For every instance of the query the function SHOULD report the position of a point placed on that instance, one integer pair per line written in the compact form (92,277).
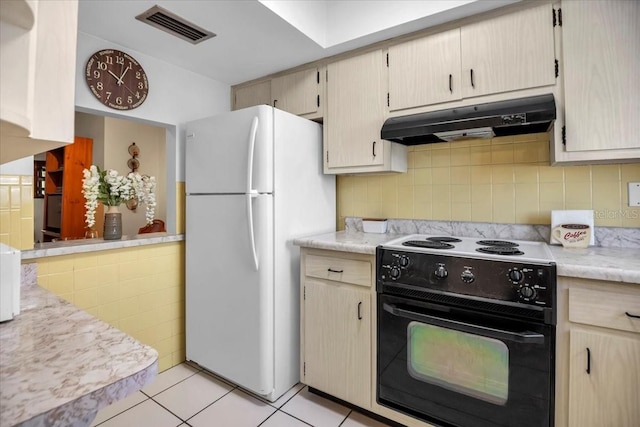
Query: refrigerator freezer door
(226,152)
(229,302)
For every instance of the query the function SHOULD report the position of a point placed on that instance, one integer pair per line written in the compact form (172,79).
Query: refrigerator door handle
(252,145)
(252,239)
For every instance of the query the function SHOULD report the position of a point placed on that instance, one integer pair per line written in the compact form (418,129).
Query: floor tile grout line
(293,416)
(171,386)
(122,412)
(210,404)
(345,418)
(168,410)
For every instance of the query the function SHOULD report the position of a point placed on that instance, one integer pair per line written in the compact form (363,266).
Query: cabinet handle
(373,147)
(635,316)
(359,313)
(274,103)
(588,361)
(331,270)
(450,83)
(473,83)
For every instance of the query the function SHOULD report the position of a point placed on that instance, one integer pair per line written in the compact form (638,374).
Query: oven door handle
(526,337)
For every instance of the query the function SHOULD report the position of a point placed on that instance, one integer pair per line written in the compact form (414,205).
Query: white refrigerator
(254,183)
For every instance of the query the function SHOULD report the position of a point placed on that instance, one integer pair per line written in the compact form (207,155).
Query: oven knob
(404,261)
(395,272)
(441,272)
(527,293)
(467,276)
(516,276)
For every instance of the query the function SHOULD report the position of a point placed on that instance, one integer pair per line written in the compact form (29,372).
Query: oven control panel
(509,281)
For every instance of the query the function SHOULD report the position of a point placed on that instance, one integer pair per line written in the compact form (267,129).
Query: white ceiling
(258,38)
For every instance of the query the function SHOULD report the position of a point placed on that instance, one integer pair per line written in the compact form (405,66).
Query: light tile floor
(186,396)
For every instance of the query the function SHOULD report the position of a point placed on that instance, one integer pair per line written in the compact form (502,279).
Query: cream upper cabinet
(509,52)
(37,76)
(601,59)
(298,93)
(355,112)
(425,71)
(336,324)
(254,94)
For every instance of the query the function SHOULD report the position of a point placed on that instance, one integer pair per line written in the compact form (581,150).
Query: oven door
(452,367)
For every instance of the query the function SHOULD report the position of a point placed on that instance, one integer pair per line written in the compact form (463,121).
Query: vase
(112,224)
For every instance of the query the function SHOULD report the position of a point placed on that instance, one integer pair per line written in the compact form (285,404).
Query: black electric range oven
(466,331)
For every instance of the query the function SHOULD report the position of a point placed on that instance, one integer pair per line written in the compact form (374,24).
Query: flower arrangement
(111,189)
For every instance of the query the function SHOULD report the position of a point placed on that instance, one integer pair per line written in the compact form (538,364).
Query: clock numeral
(138,75)
(108,95)
(120,60)
(99,86)
(129,99)
(96,74)
(108,59)
(119,100)
(140,85)
(102,65)
(137,95)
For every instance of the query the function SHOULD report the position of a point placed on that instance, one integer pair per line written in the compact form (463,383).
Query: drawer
(605,309)
(339,270)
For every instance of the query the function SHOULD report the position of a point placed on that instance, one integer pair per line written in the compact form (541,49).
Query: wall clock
(116,79)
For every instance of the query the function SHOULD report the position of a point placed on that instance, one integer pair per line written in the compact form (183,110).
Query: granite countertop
(59,365)
(68,247)
(598,263)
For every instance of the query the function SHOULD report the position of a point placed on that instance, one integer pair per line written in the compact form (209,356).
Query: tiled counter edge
(59,365)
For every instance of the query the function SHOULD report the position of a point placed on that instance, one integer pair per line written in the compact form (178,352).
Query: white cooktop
(526,251)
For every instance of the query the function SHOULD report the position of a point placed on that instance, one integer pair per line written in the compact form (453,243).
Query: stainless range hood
(513,117)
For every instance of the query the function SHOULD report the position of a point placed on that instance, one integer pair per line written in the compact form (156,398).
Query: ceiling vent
(173,24)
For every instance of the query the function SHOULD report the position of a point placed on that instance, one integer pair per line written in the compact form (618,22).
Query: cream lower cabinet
(599,349)
(601,85)
(355,112)
(336,324)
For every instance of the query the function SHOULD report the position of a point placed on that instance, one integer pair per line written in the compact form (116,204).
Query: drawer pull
(635,316)
(588,361)
(331,270)
(359,313)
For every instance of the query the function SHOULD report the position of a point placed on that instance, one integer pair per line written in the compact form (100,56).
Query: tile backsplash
(16,211)
(498,180)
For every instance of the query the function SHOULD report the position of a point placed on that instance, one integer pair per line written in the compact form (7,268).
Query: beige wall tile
(460,175)
(460,156)
(441,176)
(502,174)
(577,173)
(605,173)
(440,157)
(526,174)
(551,174)
(577,192)
(502,154)
(481,174)
(480,155)
(422,159)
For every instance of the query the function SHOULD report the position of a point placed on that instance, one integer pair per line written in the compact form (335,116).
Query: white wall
(176,96)
(119,135)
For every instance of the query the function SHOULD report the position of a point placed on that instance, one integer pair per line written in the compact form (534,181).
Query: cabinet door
(425,71)
(509,52)
(355,111)
(601,41)
(255,94)
(606,395)
(337,341)
(298,93)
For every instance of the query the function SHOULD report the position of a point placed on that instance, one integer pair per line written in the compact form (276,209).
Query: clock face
(116,79)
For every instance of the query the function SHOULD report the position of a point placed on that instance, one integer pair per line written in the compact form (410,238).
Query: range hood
(513,117)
